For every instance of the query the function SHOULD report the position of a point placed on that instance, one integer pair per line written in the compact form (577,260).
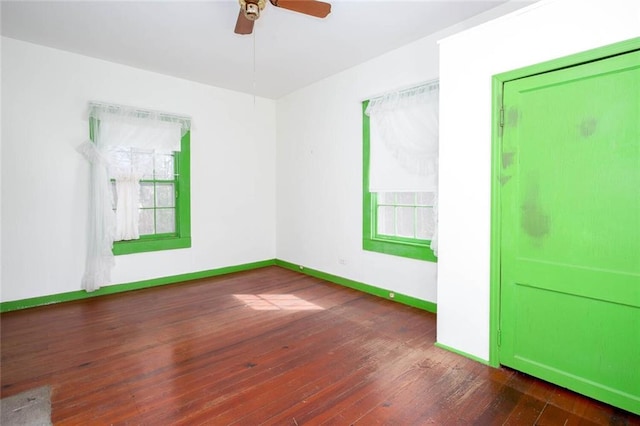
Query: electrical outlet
(301,267)
(392,295)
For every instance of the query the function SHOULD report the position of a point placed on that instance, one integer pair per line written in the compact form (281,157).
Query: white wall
(0,167)
(541,32)
(44,180)
(319,169)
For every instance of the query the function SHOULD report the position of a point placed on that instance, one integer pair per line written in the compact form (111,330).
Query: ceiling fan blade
(243,25)
(319,9)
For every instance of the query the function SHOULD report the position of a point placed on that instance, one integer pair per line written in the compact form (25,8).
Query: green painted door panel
(570,230)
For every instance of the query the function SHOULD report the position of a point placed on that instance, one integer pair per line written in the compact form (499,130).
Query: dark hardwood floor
(268,346)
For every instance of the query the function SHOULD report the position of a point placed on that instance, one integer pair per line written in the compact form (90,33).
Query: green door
(570,229)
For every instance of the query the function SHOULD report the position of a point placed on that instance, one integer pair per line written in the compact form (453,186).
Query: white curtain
(118,131)
(404,143)
(128,200)
(101,231)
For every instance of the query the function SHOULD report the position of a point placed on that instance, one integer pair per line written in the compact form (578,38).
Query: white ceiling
(195,39)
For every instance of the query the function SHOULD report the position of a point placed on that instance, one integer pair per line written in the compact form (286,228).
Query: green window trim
(182,237)
(371,241)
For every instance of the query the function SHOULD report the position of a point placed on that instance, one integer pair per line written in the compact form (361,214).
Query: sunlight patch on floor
(276,302)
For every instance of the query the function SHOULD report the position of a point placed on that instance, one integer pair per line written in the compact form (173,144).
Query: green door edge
(498,82)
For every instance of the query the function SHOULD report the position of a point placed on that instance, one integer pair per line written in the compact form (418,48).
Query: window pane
(405,222)
(406,198)
(145,226)
(425,223)
(143,163)
(165,195)
(425,198)
(386,197)
(396,197)
(164,167)
(166,221)
(386,221)
(146,194)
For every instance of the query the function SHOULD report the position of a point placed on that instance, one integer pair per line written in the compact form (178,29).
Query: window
(399,218)
(163,199)
(139,164)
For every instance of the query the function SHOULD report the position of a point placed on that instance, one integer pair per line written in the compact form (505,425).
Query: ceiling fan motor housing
(252,8)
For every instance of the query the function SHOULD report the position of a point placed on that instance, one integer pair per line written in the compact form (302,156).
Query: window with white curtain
(140,198)
(400,147)
(155,197)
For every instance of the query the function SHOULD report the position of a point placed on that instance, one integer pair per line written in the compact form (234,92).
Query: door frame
(498,82)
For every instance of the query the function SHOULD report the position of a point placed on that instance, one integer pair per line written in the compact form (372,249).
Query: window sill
(400,248)
(146,245)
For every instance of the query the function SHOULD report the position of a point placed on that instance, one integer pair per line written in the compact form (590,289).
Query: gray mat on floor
(32,407)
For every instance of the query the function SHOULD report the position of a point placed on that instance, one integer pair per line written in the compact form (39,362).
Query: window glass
(165,221)
(146,194)
(147,222)
(386,220)
(165,194)
(164,168)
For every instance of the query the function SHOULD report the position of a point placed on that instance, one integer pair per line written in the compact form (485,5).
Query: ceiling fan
(250,11)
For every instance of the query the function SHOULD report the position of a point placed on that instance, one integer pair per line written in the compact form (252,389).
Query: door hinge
(499,337)
(501,116)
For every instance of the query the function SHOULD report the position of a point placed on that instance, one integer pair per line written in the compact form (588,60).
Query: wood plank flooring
(271,347)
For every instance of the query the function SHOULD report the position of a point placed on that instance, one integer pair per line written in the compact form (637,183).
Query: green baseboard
(119,288)
(461,353)
(173,279)
(365,288)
